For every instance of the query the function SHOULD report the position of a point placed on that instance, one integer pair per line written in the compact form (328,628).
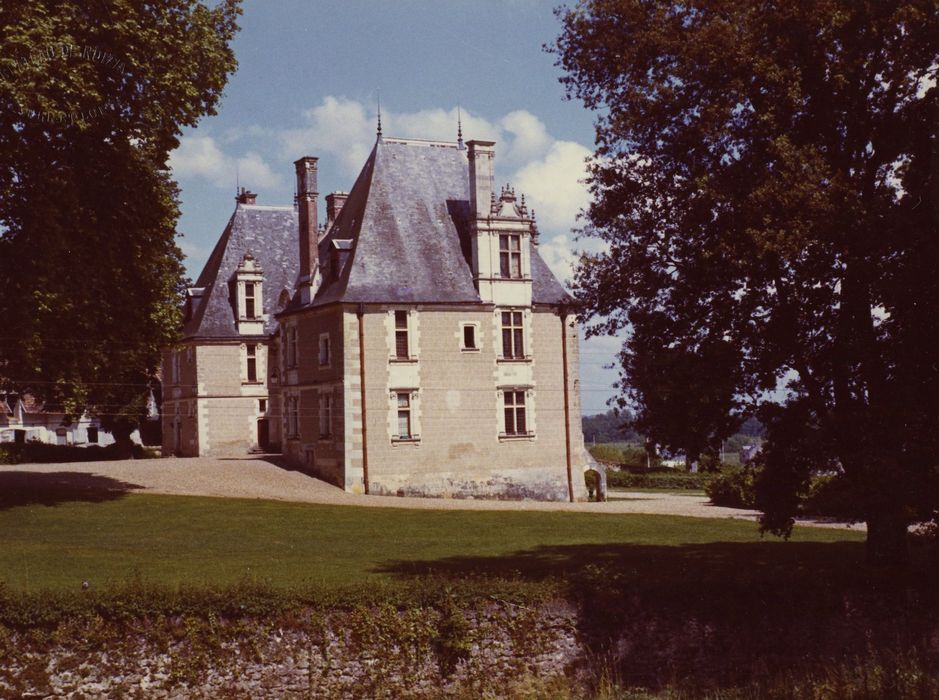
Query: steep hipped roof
(271,235)
(407,217)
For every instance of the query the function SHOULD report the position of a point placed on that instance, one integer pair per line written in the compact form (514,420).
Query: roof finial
(459,127)
(379,117)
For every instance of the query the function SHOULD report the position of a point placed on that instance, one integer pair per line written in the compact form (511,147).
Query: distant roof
(407,221)
(271,235)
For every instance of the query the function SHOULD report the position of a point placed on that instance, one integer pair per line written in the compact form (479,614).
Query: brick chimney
(334,205)
(480,157)
(306,203)
(246,197)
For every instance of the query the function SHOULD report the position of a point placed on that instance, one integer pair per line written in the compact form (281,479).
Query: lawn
(206,541)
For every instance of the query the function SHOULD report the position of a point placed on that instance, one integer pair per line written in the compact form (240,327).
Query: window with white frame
(325,415)
(324,350)
(510,256)
(402,340)
(251,358)
(513,335)
(516,420)
(405,431)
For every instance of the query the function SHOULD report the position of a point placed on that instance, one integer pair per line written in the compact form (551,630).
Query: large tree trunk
(122,442)
(887,540)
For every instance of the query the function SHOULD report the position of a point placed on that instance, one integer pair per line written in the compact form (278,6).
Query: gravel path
(261,478)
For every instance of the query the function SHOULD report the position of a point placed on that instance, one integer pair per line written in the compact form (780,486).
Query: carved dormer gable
(247,296)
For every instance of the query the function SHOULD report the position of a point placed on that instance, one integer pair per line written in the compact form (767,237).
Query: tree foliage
(612,426)
(93,96)
(767,177)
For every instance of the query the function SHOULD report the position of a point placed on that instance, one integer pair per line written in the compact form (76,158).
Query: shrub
(830,496)
(658,479)
(733,489)
(40,452)
(606,453)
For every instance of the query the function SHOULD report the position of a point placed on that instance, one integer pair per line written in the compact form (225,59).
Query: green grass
(205,541)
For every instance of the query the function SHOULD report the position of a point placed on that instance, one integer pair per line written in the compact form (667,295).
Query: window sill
(325,438)
(254,383)
(416,440)
(510,437)
(515,360)
(403,360)
(470,349)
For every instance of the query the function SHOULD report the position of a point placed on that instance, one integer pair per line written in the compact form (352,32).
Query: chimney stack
(306,202)
(480,157)
(334,205)
(246,197)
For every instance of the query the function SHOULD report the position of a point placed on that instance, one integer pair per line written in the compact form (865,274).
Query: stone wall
(372,652)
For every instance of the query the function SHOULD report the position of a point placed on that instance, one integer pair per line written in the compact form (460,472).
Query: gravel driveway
(248,477)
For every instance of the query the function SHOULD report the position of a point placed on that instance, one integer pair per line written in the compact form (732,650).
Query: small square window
(469,337)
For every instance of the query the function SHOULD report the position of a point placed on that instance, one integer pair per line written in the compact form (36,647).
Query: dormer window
(510,256)
(246,285)
(250,311)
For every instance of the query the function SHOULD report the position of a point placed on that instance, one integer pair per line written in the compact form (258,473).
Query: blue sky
(308,82)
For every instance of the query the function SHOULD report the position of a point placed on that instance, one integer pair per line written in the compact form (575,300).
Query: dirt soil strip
(269,479)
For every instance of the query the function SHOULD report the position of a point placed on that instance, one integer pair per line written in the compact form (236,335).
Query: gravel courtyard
(263,478)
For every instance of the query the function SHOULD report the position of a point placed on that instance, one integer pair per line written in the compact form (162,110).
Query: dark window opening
(93,435)
(513,344)
(515,413)
(469,337)
(402,351)
(252,363)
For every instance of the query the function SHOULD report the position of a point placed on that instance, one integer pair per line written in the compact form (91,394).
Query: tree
(767,175)
(93,97)
(683,392)
(612,426)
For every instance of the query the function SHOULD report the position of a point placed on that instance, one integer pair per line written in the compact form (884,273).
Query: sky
(309,81)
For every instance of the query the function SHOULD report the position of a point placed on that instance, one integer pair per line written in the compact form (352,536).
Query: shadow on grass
(718,612)
(23,488)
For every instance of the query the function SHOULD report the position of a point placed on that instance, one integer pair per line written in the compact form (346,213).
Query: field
(204,541)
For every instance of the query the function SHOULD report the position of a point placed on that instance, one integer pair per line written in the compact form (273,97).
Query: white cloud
(529,137)
(559,255)
(201,157)
(339,127)
(554,184)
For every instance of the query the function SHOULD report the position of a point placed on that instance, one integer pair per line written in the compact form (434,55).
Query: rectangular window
(175,361)
(402,351)
(510,255)
(93,435)
(404,415)
(324,350)
(292,346)
(515,413)
(252,353)
(513,345)
(293,418)
(262,405)
(325,416)
(249,300)
(469,337)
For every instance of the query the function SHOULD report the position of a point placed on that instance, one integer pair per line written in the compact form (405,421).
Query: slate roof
(407,219)
(271,235)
